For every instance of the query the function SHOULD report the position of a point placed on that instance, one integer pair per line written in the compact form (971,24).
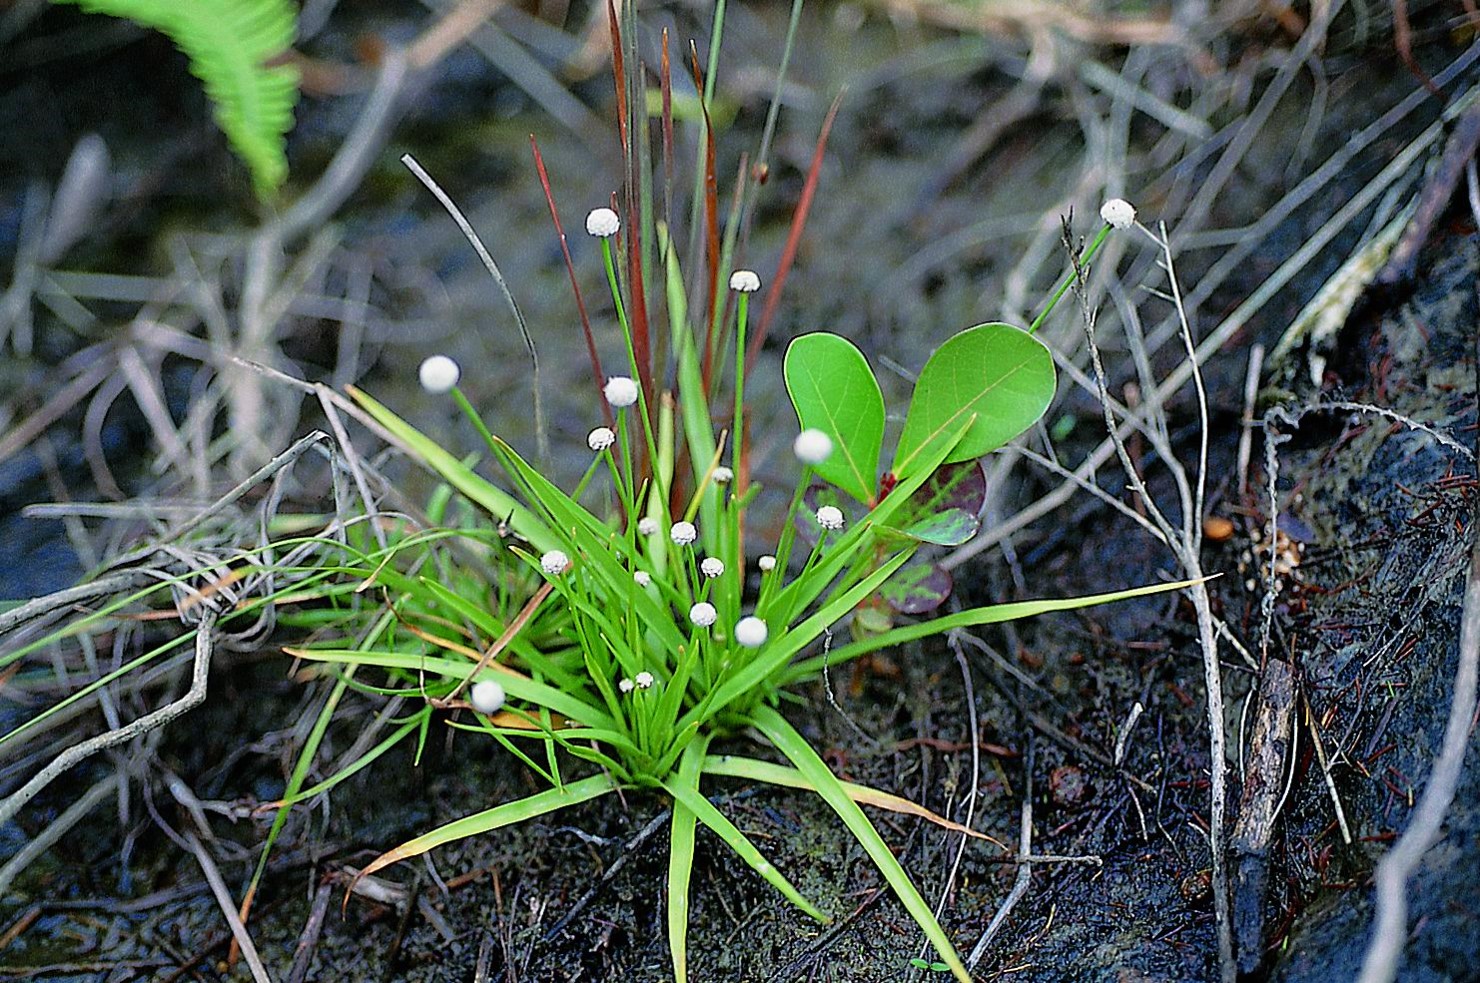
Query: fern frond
(229,43)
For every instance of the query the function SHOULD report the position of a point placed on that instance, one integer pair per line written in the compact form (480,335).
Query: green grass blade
(507,814)
(800,753)
(359,763)
(518,686)
(493,499)
(592,541)
(989,615)
(681,861)
(707,814)
(737,766)
(774,656)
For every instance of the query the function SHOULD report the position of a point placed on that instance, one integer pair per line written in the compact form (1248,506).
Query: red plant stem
(716,338)
(794,237)
(619,73)
(575,286)
(666,87)
(637,299)
(711,199)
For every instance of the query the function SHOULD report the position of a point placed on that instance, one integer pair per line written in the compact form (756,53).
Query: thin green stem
(637,375)
(1063,287)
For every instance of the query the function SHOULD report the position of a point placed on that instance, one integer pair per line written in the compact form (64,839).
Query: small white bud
(1118,213)
(554,563)
(830,517)
(642,577)
(646,526)
(600,439)
(438,374)
(703,614)
(644,680)
(683,533)
(812,446)
(602,223)
(620,391)
(712,567)
(486,696)
(767,563)
(744,281)
(625,685)
(751,632)
(723,475)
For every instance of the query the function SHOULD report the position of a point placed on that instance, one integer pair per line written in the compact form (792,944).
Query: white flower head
(723,475)
(751,632)
(683,533)
(644,680)
(602,223)
(642,577)
(830,517)
(647,525)
(744,282)
(712,567)
(703,614)
(438,374)
(554,563)
(767,563)
(486,696)
(812,446)
(625,685)
(620,391)
(600,439)
(1118,213)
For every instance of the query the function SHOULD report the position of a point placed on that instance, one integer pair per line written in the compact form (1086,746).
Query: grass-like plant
(611,628)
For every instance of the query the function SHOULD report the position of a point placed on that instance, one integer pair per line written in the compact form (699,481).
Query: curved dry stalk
(204,645)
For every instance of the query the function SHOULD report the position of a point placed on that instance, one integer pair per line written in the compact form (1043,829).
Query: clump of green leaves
(642,640)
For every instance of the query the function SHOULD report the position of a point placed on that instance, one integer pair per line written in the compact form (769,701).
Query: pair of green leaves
(996,372)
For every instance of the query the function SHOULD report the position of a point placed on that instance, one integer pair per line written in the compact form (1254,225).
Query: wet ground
(899,262)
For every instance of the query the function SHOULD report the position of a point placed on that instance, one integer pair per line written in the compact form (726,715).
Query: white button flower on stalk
(744,282)
(600,439)
(712,567)
(723,475)
(620,391)
(625,685)
(1118,213)
(486,696)
(644,680)
(642,577)
(438,374)
(751,632)
(602,223)
(554,563)
(767,563)
(683,533)
(703,614)
(830,517)
(812,446)
(647,525)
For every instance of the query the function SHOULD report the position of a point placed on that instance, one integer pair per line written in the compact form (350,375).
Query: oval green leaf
(999,372)
(948,527)
(834,390)
(918,588)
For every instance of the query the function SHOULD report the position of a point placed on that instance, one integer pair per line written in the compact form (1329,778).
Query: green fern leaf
(229,44)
